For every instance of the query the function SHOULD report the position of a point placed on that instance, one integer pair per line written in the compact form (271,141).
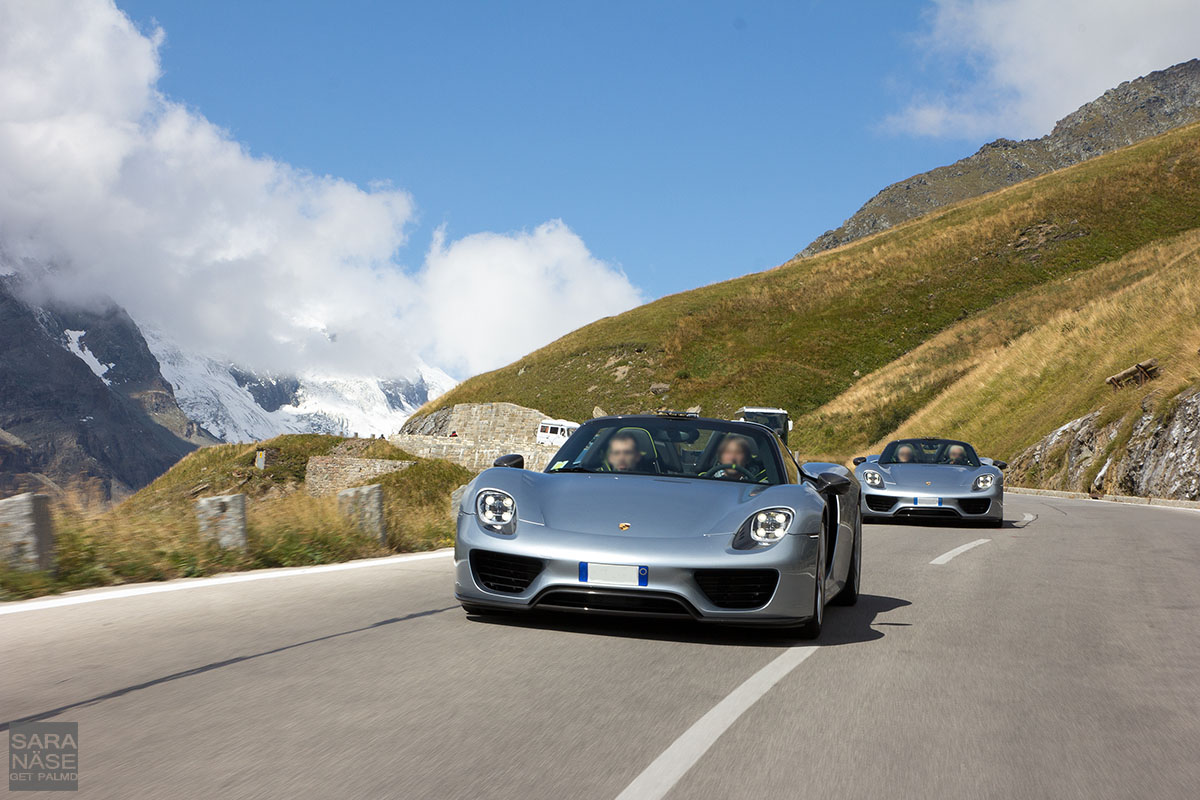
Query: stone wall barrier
(325,475)
(364,506)
(26,532)
(223,519)
(455,500)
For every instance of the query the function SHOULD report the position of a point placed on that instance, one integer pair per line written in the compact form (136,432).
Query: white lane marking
(1027,517)
(945,557)
(196,583)
(674,762)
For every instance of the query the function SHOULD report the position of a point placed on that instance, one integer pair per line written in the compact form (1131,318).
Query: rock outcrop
(1133,111)
(1155,454)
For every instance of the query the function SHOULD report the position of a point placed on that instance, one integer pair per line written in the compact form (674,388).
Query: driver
(957,455)
(904,454)
(622,455)
(733,461)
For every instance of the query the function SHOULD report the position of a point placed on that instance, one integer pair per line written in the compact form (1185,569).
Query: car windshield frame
(921,446)
(580,453)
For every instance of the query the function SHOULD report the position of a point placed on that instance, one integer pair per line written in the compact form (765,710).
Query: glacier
(222,397)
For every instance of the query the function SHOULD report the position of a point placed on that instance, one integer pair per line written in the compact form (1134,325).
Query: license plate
(613,574)
(927,501)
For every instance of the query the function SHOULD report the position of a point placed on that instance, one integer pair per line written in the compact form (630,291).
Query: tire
(848,596)
(995,523)
(811,627)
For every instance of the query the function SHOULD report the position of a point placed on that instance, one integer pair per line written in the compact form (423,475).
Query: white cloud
(1032,62)
(137,196)
(493,295)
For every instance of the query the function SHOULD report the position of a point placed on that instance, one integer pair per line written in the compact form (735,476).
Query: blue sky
(358,189)
(684,142)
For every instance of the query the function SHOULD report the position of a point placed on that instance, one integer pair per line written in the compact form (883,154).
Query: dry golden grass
(154,534)
(1014,394)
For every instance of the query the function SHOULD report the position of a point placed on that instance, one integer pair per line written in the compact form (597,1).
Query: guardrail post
(27,533)
(223,518)
(364,506)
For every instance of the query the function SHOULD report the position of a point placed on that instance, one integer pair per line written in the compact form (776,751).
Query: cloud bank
(132,194)
(1032,62)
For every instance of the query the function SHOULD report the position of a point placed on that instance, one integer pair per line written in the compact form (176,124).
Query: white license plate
(927,501)
(613,574)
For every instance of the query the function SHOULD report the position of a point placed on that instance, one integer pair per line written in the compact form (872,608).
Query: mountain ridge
(1133,111)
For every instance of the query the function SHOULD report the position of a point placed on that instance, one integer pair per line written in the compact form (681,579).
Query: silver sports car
(931,478)
(666,515)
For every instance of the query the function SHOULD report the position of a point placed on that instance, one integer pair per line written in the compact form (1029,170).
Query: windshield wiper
(573,469)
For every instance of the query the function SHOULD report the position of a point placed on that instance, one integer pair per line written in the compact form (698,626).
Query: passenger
(904,454)
(957,455)
(735,452)
(622,455)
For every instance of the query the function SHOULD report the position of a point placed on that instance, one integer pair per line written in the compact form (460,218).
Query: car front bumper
(676,582)
(987,506)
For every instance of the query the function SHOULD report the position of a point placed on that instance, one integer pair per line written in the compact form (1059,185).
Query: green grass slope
(801,335)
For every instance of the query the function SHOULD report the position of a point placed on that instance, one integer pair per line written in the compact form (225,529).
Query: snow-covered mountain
(237,405)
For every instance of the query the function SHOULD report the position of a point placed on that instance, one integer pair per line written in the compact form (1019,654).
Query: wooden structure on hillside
(1137,374)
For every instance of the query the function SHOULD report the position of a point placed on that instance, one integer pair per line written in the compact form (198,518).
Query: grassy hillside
(154,536)
(1017,392)
(801,335)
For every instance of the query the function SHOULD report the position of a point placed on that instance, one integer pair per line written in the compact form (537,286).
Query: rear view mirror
(860,460)
(832,483)
(999,464)
(514,460)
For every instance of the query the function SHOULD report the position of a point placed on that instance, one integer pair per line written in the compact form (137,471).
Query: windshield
(682,448)
(929,451)
(773,420)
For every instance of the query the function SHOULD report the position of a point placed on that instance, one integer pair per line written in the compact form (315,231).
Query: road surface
(1058,658)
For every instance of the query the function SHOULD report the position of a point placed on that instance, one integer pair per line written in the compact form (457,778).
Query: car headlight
(763,528)
(984,481)
(496,510)
(872,478)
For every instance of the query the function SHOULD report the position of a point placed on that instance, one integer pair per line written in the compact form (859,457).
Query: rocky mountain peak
(1135,110)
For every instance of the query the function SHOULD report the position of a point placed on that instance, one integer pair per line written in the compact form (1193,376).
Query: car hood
(926,477)
(653,507)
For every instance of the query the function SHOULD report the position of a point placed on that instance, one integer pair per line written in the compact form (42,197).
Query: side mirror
(833,483)
(860,460)
(514,460)
(999,464)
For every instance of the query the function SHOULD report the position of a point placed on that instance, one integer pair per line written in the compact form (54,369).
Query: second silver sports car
(932,478)
(667,515)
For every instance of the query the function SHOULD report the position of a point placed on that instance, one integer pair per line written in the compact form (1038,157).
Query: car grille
(614,601)
(879,502)
(975,505)
(502,572)
(737,588)
(944,513)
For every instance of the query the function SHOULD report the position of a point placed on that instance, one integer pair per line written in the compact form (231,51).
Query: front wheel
(848,596)
(811,627)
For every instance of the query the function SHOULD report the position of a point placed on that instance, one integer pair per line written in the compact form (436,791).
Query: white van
(555,431)
(776,419)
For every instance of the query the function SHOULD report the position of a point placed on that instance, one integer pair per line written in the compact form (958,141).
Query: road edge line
(116,593)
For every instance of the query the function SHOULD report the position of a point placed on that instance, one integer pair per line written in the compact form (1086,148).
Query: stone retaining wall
(328,474)
(479,421)
(474,455)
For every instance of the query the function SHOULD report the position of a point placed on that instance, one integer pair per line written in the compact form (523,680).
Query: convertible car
(666,515)
(931,478)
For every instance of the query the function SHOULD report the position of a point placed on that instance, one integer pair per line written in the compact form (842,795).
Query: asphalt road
(1060,658)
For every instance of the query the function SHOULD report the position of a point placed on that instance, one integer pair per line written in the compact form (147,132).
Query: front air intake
(501,572)
(737,588)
